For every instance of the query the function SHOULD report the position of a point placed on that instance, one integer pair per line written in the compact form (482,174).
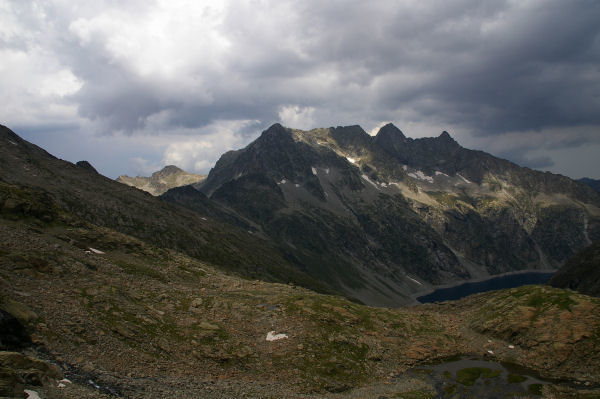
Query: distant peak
(390,130)
(171,169)
(167,171)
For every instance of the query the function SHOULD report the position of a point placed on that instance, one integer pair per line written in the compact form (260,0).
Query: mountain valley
(204,291)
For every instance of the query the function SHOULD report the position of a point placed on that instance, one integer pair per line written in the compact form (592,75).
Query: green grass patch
(469,375)
(515,378)
(542,299)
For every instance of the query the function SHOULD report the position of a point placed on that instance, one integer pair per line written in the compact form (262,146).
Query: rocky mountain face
(379,218)
(165,179)
(582,272)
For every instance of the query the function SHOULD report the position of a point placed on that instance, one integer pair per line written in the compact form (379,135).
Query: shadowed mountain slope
(35,183)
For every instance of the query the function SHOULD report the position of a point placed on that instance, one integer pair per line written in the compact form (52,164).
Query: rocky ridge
(163,180)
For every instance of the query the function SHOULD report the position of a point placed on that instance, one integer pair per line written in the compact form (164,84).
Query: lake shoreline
(475,280)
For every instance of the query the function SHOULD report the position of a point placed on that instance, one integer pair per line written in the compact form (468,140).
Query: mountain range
(380,218)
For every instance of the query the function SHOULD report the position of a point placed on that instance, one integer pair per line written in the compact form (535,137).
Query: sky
(134,85)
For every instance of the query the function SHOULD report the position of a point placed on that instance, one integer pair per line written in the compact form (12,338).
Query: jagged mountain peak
(273,138)
(276,130)
(446,138)
(351,137)
(445,135)
(390,130)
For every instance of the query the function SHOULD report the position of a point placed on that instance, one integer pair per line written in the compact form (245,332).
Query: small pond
(467,377)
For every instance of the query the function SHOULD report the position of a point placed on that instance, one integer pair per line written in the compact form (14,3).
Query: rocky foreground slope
(165,179)
(122,318)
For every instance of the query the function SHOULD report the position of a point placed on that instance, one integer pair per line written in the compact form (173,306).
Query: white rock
(271,336)
(464,179)
(32,394)
(96,251)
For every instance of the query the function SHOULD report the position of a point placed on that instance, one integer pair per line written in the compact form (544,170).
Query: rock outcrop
(581,272)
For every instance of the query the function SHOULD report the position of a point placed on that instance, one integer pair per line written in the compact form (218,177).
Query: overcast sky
(134,85)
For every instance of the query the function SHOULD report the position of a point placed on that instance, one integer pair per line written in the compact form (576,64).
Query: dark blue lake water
(495,283)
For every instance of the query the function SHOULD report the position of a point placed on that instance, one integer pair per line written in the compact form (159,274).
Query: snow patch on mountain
(421,176)
(370,181)
(462,177)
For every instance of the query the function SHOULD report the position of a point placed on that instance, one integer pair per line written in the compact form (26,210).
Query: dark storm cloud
(485,68)
(491,67)
(521,158)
